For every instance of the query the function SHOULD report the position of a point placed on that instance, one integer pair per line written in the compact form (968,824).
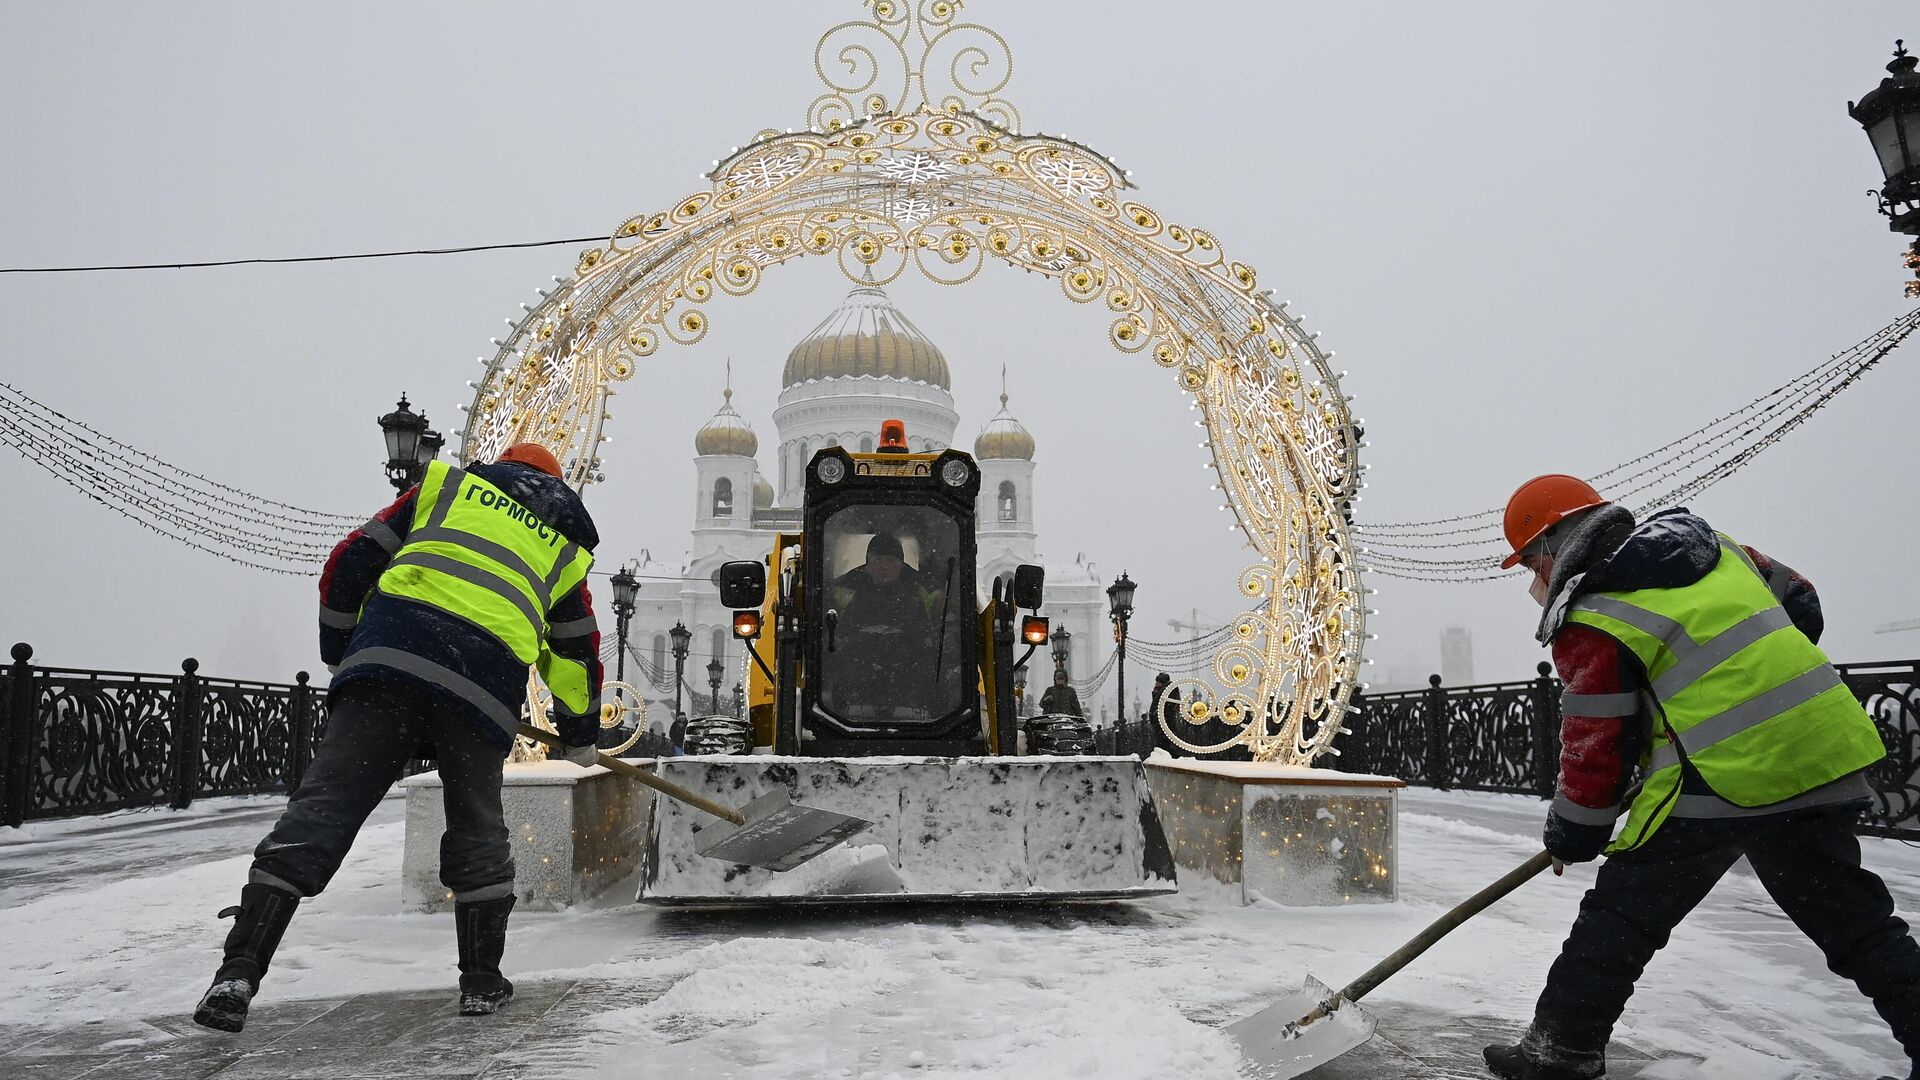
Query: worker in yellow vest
(430,615)
(1692,660)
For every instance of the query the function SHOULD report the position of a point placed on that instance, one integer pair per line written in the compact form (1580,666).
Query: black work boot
(260,919)
(1540,1056)
(482,930)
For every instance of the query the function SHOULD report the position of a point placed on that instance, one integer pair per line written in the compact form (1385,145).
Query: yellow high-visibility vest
(1737,691)
(474,552)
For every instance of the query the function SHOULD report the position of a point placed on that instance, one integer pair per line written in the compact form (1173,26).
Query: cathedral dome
(762,493)
(866,335)
(1004,437)
(727,433)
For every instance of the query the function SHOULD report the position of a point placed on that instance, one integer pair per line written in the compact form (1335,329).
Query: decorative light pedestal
(575,833)
(1298,836)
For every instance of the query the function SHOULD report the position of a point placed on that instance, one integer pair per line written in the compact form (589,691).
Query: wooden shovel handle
(1445,924)
(665,787)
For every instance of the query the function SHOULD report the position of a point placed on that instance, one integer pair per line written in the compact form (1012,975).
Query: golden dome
(762,493)
(1004,437)
(866,335)
(727,433)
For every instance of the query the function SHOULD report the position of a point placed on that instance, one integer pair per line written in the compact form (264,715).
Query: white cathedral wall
(840,412)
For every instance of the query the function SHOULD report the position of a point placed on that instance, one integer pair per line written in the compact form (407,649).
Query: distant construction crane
(1896,627)
(1193,625)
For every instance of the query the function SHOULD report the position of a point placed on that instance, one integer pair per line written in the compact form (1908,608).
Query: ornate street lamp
(411,445)
(715,669)
(626,588)
(1120,609)
(739,701)
(1890,114)
(681,638)
(1062,647)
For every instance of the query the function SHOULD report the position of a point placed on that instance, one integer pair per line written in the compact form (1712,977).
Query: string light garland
(1666,475)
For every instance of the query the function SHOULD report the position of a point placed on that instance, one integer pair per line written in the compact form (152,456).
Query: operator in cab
(885,616)
(886,596)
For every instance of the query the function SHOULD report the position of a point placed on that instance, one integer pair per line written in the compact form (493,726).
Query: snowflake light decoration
(957,187)
(914,167)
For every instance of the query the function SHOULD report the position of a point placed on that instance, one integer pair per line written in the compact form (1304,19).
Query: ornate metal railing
(86,742)
(1506,737)
(83,742)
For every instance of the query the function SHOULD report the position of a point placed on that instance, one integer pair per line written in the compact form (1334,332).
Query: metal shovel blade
(779,834)
(1275,1046)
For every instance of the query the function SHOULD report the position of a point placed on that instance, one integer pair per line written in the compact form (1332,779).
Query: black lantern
(430,443)
(405,431)
(1890,113)
(626,588)
(1062,647)
(1120,597)
(715,669)
(682,637)
(1120,609)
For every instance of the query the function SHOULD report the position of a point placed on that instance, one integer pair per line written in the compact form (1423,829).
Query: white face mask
(1538,589)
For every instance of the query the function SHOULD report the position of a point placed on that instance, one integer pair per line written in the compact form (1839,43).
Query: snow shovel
(1314,1025)
(773,832)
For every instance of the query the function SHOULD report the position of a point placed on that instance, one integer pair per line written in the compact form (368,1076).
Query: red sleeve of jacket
(1594,761)
(354,568)
(1794,592)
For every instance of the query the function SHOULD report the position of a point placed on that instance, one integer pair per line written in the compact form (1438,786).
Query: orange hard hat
(534,455)
(1539,505)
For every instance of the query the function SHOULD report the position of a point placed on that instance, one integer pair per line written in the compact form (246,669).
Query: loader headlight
(831,470)
(955,473)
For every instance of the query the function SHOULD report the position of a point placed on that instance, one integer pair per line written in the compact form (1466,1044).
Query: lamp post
(681,637)
(715,669)
(411,445)
(1890,115)
(1120,609)
(739,702)
(1062,648)
(626,588)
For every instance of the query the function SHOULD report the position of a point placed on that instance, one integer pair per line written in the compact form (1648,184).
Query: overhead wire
(286,259)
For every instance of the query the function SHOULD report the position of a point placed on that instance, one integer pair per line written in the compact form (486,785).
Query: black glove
(581,755)
(1572,842)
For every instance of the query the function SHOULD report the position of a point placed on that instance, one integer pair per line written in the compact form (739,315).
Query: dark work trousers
(373,727)
(1807,860)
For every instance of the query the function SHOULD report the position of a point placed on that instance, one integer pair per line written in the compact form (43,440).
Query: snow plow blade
(944,829)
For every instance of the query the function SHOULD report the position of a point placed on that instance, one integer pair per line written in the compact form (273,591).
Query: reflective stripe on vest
(1737,691)
(476,553)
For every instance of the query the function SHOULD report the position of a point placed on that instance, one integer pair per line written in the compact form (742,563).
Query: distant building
(1456,656)
(863,364)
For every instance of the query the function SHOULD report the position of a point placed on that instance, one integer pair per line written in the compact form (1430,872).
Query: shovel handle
(1444,925)
(665,787)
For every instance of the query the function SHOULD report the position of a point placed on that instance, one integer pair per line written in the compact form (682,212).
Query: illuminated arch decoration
(912,160)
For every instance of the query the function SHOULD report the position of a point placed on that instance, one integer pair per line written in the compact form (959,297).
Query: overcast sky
(1542,237)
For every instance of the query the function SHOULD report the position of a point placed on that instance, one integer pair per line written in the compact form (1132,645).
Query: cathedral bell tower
(725,478)
(1004,515)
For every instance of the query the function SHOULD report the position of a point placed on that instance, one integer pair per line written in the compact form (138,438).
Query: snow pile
(1134,991)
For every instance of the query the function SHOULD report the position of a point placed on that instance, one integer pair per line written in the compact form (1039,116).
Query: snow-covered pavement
(113,918)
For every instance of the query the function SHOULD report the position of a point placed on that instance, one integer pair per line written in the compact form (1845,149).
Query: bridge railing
(1506,737)
(87,742)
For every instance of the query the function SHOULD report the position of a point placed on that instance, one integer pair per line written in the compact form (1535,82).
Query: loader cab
(889,626)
